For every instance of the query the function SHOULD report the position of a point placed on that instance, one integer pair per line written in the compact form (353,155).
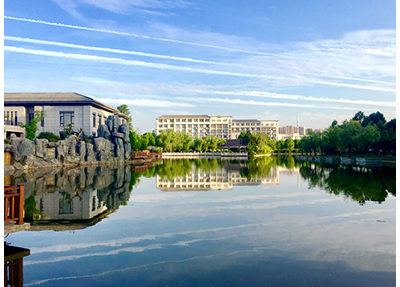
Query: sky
(317,61)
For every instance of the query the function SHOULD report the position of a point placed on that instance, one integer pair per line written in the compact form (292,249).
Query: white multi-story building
(269,127)
(197,125)
(62,109)
(220,126)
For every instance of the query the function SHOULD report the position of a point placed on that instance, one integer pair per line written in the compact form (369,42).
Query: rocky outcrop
(111,146)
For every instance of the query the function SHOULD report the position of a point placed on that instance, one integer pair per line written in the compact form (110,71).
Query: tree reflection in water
(58,194)
(360,184)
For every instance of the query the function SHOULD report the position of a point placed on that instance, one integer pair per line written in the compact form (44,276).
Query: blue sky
(318,60)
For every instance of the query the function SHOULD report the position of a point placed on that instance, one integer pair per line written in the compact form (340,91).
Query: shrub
(7,141)
(49,136)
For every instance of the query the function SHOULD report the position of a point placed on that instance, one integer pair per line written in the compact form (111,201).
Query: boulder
(26,148)
(124,129)
(103,132)
(119,150)
(81,150)
(90,155)
(102,144)
(110,123)
(14,140)
(70,145)
(40,144)
(113,122)
(128,151)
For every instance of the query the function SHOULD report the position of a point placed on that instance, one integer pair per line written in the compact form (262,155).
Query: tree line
(359,135)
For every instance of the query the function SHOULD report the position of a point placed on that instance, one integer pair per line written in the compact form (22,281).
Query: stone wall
(111,146)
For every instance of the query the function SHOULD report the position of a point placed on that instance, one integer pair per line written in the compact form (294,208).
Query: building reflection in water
(222,177)
(83,196)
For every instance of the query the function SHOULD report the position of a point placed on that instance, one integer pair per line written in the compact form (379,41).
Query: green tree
(330,140)
(31,127)
(374,118)
(359,116)
(349,131)
(289,144)
(367,137)
(125,110)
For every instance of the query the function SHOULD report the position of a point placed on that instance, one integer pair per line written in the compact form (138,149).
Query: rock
(119,150)
(90,155)
(124,129)
(28,160)
(14,140)
(40,144)
(10,148)
(102,144)
(81,150)
(26,148)
(53,144)
(110,123)
(128,151)
(102,156)
(60,151)
(72,160)
(9,169)
(117,135)
(18,166)
(104,132)
(70,145)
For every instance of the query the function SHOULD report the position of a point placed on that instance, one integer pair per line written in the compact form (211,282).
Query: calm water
(265,222)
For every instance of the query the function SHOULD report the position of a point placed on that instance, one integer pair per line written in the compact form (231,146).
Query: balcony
(12,123)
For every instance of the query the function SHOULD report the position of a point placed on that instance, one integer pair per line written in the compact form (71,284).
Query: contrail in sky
(140,36)
(110,50)
(169,67)
(181,58)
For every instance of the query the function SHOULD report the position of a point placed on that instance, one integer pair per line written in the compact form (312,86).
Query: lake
(268,221)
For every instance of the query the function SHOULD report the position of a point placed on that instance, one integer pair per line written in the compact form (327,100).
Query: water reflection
(357,183)
(213,174)
(82,195)
(88,194)
(250,236)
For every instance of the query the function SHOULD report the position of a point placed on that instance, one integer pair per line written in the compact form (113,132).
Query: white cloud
(144,102)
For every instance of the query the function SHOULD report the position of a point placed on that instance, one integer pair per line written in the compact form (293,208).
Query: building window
(178,120)
(66,206)
(93,203)
(98,120)
(30,117)
(66,118)
(94,119)
(183,120)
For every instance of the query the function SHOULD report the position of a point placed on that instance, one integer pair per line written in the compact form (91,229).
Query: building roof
(182,116)
(190,116)
(239,120)
(22,99)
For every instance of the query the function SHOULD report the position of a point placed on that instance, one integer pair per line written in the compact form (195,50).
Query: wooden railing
(13,265)
(14,203)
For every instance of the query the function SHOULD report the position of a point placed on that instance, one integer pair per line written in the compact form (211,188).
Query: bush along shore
(111,146)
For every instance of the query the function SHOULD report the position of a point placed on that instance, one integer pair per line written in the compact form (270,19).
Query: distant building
(61,110)
(269,127)
(294,136)
(288,130)
(220,126)
(302,131)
